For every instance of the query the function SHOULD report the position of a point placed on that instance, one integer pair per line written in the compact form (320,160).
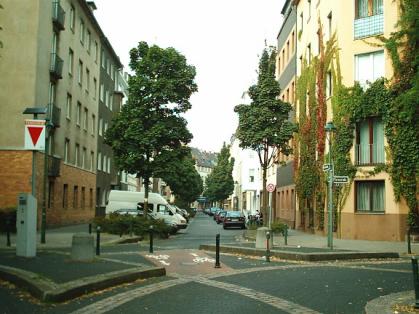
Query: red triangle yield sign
(35,132)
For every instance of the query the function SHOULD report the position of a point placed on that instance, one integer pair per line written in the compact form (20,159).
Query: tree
(149,126)
(219,183)
(177,169)
(264,125)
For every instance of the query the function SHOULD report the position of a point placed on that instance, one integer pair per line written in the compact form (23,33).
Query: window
(83,197)
(109,164)
(68,107)
(99,161)
(78,113)
(94,88)
(72,18)
(93,124)
(92,160)
(309,10)
(65,196)
(301,22)
(105,127)
(370,196)
(83,158)
(85,119)
(77,155)
(107,98)
(328,84)
(89,41)
(100,126)
(308,53)
(110,102)
(66,150)
(279,65)
(102,58)
(75,196)
(112,72)
(318,42)
(96,51)
(365,8)
(329,28)
(283,59)
(369,67)
(104,167)
(81,31)
(288,95)
(370,142)
(70,61)
(87,80)
(101,92)
(251,175)
(292,42)
(108,66)
(80,79)
(288,50)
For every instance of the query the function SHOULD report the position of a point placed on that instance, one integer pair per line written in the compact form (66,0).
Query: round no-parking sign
(270,187)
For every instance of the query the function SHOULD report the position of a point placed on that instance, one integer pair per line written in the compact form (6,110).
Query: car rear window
(233,214)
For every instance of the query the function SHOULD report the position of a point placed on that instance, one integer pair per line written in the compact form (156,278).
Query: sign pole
(330,211)
(270,210)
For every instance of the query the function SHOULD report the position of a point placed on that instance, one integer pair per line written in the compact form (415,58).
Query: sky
(223,39)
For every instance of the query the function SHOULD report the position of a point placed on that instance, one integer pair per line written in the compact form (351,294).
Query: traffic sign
(327,167)
(34,134)
(270,187)
(340,179)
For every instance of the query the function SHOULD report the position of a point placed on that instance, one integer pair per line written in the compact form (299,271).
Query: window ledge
(369,213)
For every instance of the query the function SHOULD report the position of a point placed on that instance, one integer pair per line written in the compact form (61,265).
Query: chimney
(92,5)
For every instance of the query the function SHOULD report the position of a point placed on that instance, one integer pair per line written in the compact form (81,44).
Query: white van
(158,207)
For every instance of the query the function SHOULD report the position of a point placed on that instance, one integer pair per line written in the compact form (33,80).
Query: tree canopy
(150,125)
(219,183)
(264,124)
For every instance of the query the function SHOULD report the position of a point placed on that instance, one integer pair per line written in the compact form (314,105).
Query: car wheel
(224,227)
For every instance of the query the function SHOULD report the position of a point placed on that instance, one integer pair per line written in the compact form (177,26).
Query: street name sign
(327,167)
(270,187)
(34,134)
(340,179)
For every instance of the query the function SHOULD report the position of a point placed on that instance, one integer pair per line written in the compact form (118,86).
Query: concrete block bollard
(261,238)
(82,247)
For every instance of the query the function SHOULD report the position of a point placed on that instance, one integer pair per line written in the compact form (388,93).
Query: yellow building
(370,210)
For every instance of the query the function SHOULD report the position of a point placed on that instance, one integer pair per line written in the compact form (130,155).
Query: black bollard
(151,239)
(90,228)
(98,240)
(286,236)
(8,232)
(217,251)
(130,228)
(409,248)
(415,280)
(268,252)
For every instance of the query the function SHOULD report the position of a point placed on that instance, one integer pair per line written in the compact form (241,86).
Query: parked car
(221,216)
(234,219)
(213,210)
(218,211)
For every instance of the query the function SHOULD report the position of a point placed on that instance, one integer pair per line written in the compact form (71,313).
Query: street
(241,285)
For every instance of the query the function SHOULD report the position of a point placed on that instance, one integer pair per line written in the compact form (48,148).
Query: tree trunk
(146,182)
(264,197)
(155,185)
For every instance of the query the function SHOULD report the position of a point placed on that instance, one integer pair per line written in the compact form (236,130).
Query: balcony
(58,16)
(369,26)
(54,163)
(56,67)
(54,115)
(369,154)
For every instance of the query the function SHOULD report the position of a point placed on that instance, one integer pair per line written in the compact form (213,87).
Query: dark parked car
(213,210)
(221,216)
(234,219)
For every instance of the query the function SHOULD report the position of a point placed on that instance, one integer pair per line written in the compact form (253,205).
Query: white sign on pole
(34,134)
(340,179)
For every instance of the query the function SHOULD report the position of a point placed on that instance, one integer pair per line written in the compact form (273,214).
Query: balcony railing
(58,16)
(369,26)
(54,163)
(54,115)
(56,67)
(369,154)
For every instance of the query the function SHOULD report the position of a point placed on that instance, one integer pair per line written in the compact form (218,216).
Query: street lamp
(330,128)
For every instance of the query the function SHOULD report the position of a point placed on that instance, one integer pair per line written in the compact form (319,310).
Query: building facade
(52,57)
(369,211)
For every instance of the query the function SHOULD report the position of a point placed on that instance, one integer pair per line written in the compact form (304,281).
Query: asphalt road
(242,285)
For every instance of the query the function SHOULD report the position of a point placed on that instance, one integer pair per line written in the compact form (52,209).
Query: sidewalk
(52,276)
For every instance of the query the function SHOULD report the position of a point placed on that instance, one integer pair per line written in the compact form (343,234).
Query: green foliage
(264,125)
(127,224)
(219,183)
(279,227)
(149,126)
(177,169)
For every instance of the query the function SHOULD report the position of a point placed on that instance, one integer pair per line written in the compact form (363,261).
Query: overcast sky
(223,39)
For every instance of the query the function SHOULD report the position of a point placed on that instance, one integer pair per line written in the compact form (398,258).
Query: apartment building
(370,211)
(285,196)
(52,58)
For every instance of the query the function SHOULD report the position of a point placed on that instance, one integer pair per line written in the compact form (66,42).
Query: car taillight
(241,218)
(229,219)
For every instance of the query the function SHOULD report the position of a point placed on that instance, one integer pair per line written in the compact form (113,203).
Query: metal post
(268,252)
(90,228)
(130,228)
(98,240)
(286,236)
(330,199)
(151,239)
(270,210)
(415,280)
(44,191)
(217,251)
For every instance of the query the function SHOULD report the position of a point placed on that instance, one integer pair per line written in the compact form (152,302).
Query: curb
(384,304)
(309,257)
(49,291)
